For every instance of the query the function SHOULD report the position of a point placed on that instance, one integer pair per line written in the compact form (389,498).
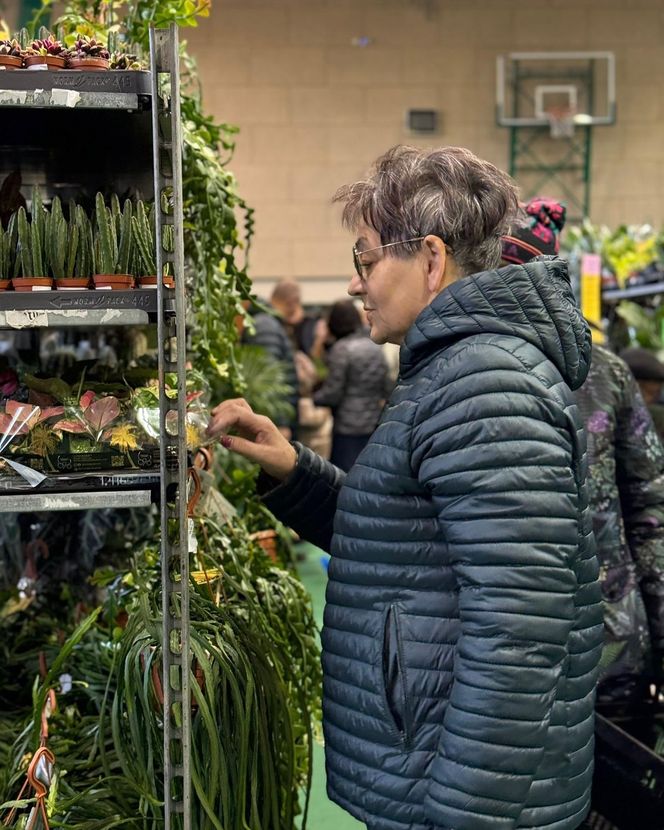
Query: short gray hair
(450,192)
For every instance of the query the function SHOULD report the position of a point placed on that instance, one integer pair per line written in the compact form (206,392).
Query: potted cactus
(84,264)
(113,244)
(88,53)
(31,248)
(62,247)
(11,54)
(144,239)
(47,52)
(8,242)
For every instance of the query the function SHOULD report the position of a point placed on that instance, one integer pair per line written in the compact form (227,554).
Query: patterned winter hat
(539,233)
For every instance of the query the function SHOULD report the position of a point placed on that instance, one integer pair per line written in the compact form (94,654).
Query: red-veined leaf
(24,416)
(100,413)
(51,412)
(87,398)
(70,426)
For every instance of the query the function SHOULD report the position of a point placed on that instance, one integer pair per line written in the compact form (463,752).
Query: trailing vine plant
(257,692)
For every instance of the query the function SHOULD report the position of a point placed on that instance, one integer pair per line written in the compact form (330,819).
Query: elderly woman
(463,626)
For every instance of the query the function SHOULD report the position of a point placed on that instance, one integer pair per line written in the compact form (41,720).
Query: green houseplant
(113,244)
(8,243)
(62,241)
(143,228)
(31,249)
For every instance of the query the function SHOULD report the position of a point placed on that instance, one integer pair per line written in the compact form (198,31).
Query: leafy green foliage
(255,680)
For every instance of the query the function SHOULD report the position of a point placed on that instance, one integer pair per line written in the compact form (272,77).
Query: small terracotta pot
(32,283)
(71,283)
(116,282)
(4,284)
(10,62)
(151,281)
(89,64)
(51,61)
(267,539)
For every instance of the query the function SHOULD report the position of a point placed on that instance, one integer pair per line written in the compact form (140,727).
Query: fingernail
(225,441)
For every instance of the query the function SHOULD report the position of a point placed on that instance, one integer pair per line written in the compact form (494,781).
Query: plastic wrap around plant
(145,402)
(62,432)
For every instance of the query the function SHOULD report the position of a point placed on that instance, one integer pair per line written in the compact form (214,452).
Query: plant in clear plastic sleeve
(34,424)
(91,415)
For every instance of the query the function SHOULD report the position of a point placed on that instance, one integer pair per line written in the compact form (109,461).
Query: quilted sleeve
(307,500)
(498,454)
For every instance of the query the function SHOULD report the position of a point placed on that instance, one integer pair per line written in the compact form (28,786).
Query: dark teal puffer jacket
(463,624)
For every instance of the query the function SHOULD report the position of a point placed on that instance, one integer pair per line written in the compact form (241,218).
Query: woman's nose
(354,286)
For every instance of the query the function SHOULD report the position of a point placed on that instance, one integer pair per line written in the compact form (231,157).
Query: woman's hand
(256,438)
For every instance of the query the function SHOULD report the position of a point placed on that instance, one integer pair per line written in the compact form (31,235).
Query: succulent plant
(113,238)
(11,48)
(88,47)
(123,60)
(84,265)
(30,248)
(46,46)
(62,239)
(143,228)
(8,241)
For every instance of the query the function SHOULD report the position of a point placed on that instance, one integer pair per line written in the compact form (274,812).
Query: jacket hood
(532,301)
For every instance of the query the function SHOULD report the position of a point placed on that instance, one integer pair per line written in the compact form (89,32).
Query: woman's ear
(437,260)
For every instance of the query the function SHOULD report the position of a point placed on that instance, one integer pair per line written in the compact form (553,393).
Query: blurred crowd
(339,377)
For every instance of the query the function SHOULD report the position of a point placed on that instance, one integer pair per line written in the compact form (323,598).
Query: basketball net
(561,122)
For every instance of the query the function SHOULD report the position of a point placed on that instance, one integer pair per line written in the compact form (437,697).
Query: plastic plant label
(192,542)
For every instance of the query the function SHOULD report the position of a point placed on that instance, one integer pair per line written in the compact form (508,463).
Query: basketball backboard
(531,86)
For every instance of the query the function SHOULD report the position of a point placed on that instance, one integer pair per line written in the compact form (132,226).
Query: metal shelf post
(167,144)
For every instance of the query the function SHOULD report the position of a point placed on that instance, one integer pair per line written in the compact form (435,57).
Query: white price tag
(192,543)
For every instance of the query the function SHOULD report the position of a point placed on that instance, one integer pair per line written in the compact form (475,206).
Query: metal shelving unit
(171,335)
(62,309)
(614,295)
(140,106)
(70,88)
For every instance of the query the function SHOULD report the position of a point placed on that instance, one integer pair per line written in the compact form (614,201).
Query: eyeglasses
(359,266)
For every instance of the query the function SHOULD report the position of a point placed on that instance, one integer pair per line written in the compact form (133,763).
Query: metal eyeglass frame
(356,254)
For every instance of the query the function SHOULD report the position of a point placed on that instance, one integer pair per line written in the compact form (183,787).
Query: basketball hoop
(561,121)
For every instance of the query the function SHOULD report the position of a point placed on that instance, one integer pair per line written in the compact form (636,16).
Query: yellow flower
(123,437)
(195,436)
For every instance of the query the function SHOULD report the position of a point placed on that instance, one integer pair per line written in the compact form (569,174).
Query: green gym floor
(323,814)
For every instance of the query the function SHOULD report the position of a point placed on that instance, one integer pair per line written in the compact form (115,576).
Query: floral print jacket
(626,485)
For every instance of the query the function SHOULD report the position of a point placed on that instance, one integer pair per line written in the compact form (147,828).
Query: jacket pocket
(393,674)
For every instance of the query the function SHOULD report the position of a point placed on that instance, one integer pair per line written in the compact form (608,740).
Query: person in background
(301,327)
(626,488)
(356,386)
(649,374)
(463,625)
(270,334)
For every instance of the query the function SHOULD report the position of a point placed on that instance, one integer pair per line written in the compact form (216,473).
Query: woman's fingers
(235,415)
(231,402)
(255,437)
